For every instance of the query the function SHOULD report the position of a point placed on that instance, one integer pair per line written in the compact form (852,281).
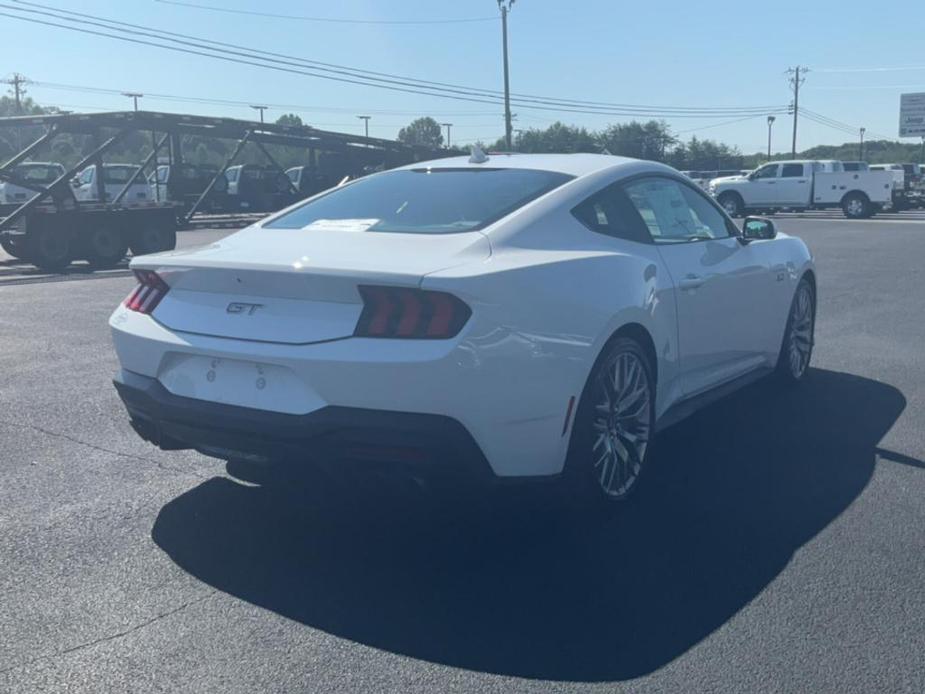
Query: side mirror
(758,229)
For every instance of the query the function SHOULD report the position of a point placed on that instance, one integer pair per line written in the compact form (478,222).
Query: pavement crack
(101,449)
(113,637)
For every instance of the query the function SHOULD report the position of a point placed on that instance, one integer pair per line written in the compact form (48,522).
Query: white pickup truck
(31,173)
(115,176)
(804,185)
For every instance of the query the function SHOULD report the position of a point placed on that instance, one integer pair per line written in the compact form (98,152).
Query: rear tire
(614,422)
(796,350)
(732,203)
(153,238)
(105,247)
(856,206)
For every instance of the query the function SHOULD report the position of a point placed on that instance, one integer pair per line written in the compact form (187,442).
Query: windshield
(118,174)
(425,201)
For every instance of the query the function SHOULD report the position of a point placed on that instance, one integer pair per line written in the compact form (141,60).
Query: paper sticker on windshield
(342,224)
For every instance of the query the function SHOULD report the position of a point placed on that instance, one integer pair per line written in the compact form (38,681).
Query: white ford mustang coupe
(482,319)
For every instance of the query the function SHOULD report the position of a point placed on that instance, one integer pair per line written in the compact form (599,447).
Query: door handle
(691,282)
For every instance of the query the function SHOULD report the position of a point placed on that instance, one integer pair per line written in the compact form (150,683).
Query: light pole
(447,126)
(259,108)
(134,96)
(365,120)
(861,146)
(771,120)
(505,7)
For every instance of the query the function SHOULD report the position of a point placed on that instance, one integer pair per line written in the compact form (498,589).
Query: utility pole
(365,120)
(134,96)
(505,6)
(261,109)
(796,79)
(861,146)
(771,120)
(447,126)
(17,82)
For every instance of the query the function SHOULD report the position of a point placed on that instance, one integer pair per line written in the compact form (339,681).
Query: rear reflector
(417,314)
(149,292)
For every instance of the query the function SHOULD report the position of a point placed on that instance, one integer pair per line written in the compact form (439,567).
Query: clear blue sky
(669,53)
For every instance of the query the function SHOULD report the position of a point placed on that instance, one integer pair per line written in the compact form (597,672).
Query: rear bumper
(423,445)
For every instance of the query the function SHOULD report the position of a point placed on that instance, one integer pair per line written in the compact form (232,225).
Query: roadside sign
(912,115)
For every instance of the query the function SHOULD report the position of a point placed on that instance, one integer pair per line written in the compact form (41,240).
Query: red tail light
(398,312)
(149,292)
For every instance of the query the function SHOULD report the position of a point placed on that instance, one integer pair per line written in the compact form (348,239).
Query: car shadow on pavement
(523,589)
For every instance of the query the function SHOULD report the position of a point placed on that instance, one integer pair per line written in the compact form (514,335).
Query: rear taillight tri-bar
(400,312)
(149,292)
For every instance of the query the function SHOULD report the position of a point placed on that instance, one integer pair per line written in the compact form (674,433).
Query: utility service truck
(804,185)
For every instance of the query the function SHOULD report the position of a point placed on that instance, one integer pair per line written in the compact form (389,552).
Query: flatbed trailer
(54,228)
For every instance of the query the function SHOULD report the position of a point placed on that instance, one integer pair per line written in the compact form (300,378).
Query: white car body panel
(545,292)
(86,190)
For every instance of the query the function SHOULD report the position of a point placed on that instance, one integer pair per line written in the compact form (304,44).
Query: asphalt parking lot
(780,544)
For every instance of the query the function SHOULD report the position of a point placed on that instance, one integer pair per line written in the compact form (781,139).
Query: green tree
(650,140)
(705,155)
(289,119)
(558,137)
(423,131)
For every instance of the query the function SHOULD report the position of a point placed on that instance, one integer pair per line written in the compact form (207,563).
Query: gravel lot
(780,545)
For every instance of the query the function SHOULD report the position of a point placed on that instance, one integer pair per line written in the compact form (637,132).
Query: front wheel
(797,347)
(12,248)
(732,203)
(613,425)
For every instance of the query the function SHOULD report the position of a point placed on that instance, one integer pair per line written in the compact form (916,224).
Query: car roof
(579,164)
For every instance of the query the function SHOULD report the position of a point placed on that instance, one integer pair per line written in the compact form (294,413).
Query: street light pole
(261,109)
(365,120)
(771,120)
(861,146)
(505,6)
(134,97)
(447,126)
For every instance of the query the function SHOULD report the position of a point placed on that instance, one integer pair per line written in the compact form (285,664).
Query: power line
(273,15)
(871,69)
(366,77)
(717,125)
(231,102)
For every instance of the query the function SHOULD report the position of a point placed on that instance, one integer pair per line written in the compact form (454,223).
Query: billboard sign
(912,115)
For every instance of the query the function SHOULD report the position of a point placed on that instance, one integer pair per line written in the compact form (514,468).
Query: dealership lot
(778,547)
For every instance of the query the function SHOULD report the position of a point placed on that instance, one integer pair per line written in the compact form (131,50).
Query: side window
(674,212)
(792,171)
(610,212)
(767,171)
(86,176)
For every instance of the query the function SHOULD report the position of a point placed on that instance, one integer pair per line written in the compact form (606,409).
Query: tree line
(654,140)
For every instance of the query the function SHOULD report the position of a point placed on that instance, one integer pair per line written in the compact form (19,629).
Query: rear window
(425,201)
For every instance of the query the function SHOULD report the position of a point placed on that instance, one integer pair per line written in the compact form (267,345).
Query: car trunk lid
(295,286)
